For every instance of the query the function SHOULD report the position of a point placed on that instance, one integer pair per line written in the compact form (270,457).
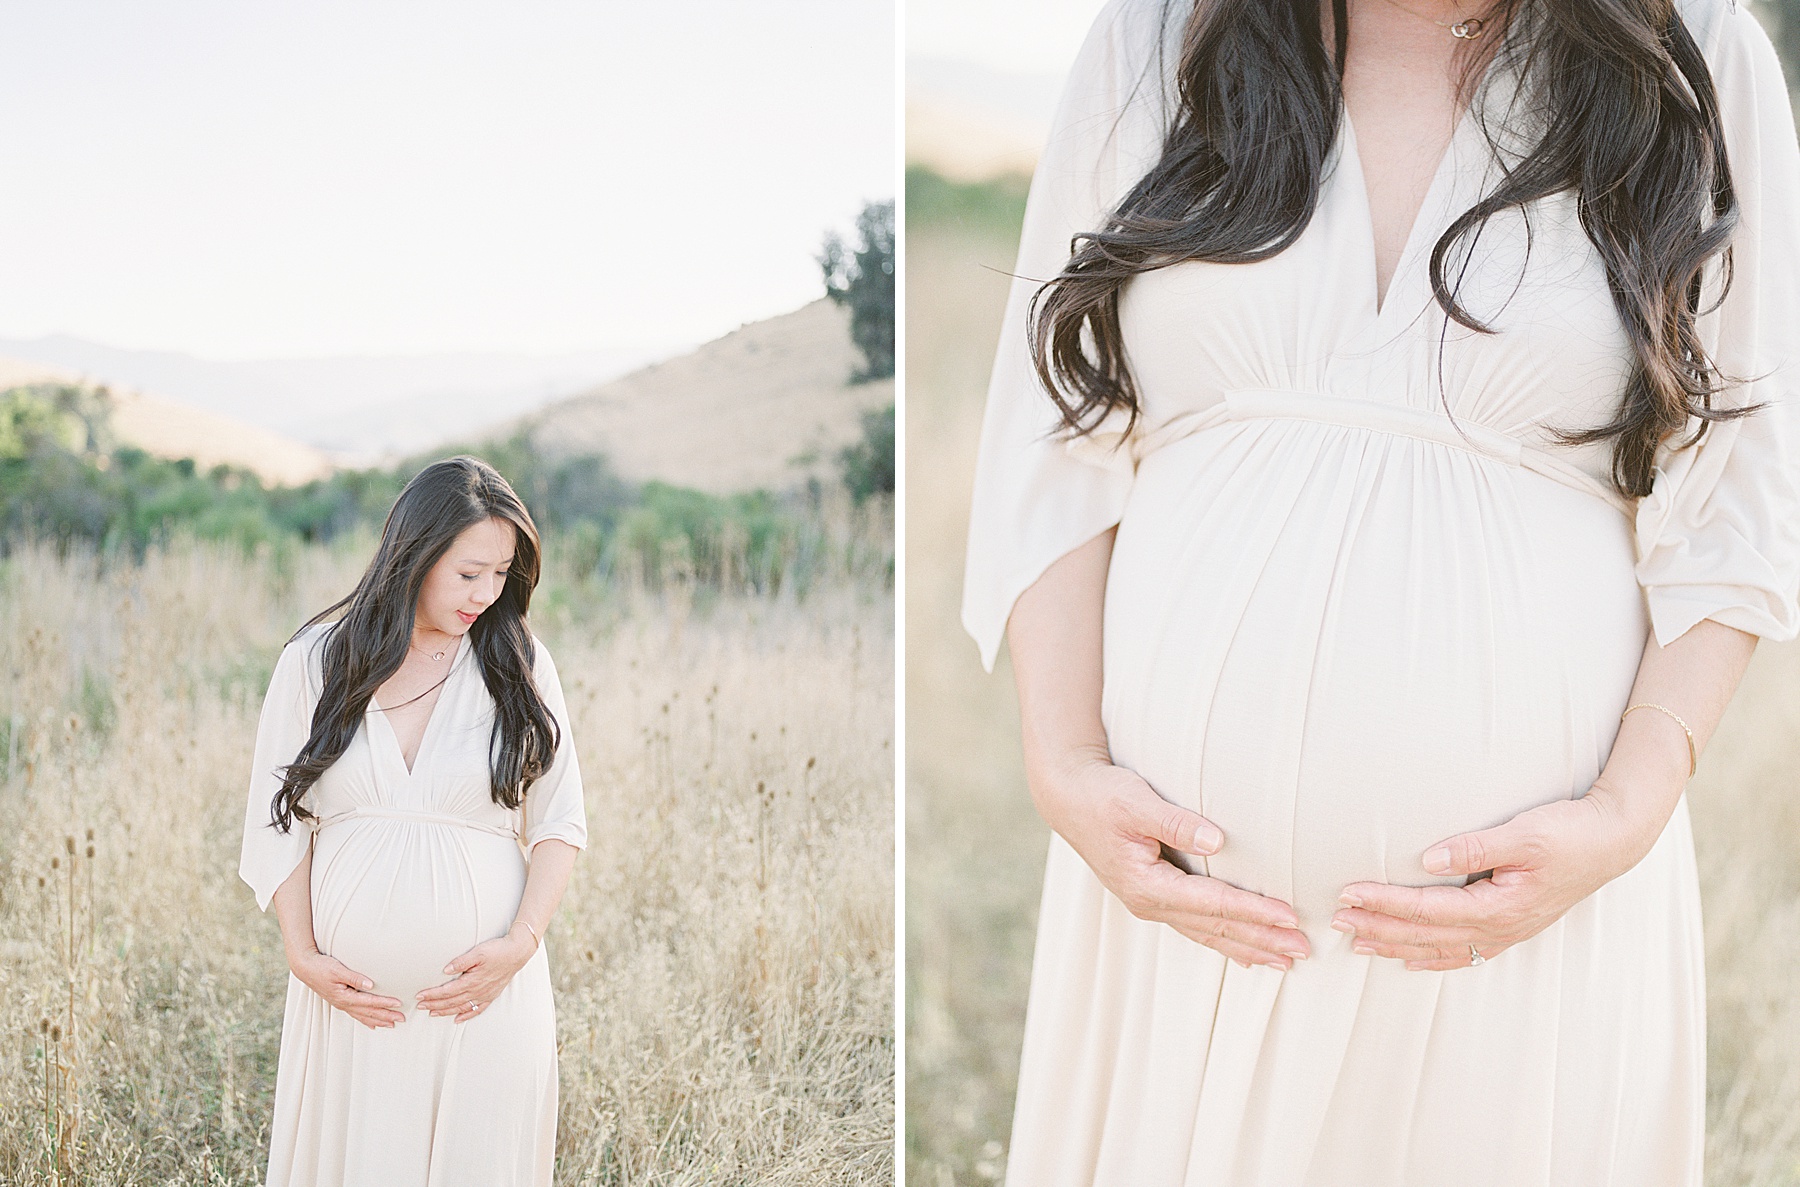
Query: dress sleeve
(555,805)
(269,856)
(1036,495)
(1719,534)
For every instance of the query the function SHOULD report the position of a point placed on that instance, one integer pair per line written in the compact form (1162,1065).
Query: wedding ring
(1475,957)
(475,1005)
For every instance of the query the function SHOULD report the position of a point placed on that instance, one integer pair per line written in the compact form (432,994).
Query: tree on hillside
(863,279)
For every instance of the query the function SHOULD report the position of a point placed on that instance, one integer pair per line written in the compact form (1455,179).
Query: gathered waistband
(1425,425)
(418,818)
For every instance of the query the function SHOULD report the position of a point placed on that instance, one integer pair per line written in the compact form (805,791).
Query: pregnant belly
(1343,646)
(396,901)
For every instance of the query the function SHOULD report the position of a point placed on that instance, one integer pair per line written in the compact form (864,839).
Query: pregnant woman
(415,810)
(1389,466)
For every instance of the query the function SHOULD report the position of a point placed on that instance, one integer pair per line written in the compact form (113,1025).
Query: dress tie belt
(418,818)
(1423,424)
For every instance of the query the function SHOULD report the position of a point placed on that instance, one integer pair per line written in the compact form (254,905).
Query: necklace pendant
(1468,30)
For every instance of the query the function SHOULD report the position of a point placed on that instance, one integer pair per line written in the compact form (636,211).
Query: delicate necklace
(435,655)
(420,697)
(1468,29)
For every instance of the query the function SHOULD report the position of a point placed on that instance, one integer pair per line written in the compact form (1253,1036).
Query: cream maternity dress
(409,870)
(1345,624)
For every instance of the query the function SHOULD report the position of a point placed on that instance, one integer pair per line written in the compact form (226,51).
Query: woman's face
(467,579)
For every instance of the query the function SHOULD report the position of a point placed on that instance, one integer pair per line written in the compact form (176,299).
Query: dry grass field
(723,959)
(975,848)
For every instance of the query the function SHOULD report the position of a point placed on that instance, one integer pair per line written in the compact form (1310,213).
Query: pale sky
(342,177)
(1013,36)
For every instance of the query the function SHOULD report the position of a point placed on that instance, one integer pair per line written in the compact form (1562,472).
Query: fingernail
(1349,900)
(1208,838)
(1339,923)
(1414,968)
(1364,950)
(368,984)
(449,970)
(1296,953)
(1437,861)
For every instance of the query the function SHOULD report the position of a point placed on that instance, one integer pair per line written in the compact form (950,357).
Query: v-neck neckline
(431,718)
(1443,174)
(1351,148)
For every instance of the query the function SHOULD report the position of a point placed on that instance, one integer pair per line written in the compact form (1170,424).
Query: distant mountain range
(357,411)
(769,405)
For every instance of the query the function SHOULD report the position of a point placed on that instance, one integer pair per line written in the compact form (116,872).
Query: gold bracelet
(1693,755)
(536,940)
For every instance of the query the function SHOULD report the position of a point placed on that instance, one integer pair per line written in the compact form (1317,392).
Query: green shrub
(868,465)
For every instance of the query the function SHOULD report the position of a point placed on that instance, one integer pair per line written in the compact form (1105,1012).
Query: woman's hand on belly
(345,989)
(1108,814)
(1119,826)
(481,973)
(1549,858)
(1544,861)
(337,983)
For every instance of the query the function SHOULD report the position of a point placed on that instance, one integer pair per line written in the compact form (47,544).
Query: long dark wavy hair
(369,643)
(1622,112)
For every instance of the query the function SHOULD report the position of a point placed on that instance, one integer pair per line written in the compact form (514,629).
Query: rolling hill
(768,405)
(171,429)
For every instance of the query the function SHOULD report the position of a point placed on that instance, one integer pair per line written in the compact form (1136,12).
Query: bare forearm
(1054,636)
(546,877)
(293,910)
(1694,678)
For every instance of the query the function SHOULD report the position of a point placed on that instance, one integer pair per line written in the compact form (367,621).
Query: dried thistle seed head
(90,834)
(812,760)
(40,881)
(74,723)
(56,863)
(55,1033)
(69,845)
(43,1026)
(90,851)
(590,954)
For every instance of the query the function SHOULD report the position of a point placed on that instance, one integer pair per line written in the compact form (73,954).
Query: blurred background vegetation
(64,480)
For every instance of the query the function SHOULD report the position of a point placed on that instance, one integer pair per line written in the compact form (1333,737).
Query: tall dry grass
(975,849)
(723,959)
